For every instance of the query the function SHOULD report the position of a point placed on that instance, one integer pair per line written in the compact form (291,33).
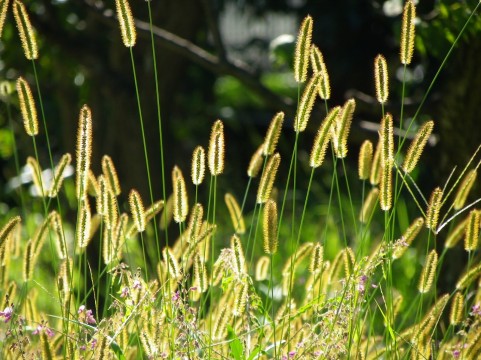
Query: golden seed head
(36,175)
(319,67)
(137,210)
(386,135)
(126,22)
(434,206)
(408,237)
(341,128)
(200,274)
(307,102)
(110,208)
(381,79)
(235,213)
(472,231)
(317,259)
(27,107)
(256,162)
(172,264)
(428,273)
(368,206)
(270,223)
(83,224)
(468,277)
(303,46)
(110,173)
(349,262)
(25,30)
(385,192)
(3,14)
(198,165)
(457,309)
(456,234)
(262,268)
(58,176)
(464,189)
(375,176)
(216,149)
(84,150)
(273,133)
(365,160)
(408,32)
(29,261)
(181,203)
(8,229)
(240,298)
(195,222)
(323,137)
(267,179)
(417,146)
(239,264)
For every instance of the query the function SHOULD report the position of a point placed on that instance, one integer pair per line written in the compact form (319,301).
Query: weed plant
(293,279)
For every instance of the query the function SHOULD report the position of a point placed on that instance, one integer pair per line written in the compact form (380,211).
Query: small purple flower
(42,327)
(125,292)
(292,354)
(137,284)
(476,310)
(81,309)
(193,288)
(93,344)
(49,332)
(176,296)
(456,353)
(89,317)
(37,330)
(7,313)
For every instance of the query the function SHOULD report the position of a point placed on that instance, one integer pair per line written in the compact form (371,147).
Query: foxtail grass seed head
(375,176)
(369,205)
(59,175)
(262,268)
(198,165)
(92,184)
(27,107)
(270,223)
(36,175)
(303,46)
(60,241)
(235,213)
(408,32)
(101,199)
(273,133)
(267,179)
(434,206)
(110,174)
(408,237)
(322,139)
(111,209)
(341,127)
(241,293)
(240,266)
(181,203)
(306,104)
(417,146)
(126,22)
(457,309)
(200,274)
(319,67)
(25,30)
(172,264)
(349,262)
(195,222)
(216,149)
(381,79)
(84,150)
(3,14)
(385,192)
(468,277)
(471,238)
(8,229)
(317,259)
(464,189)
(386,134)
(456,234)
(256,162)
(166,216)
(365,160)
(29,261)
(428,273)
(137,210)
(83,224)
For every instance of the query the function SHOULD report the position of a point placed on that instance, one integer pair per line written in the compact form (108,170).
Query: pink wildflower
(7,313)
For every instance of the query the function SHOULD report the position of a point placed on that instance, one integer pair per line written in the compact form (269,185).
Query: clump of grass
(210,292)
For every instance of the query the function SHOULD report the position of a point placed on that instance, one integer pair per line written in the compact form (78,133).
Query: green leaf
(236,348)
